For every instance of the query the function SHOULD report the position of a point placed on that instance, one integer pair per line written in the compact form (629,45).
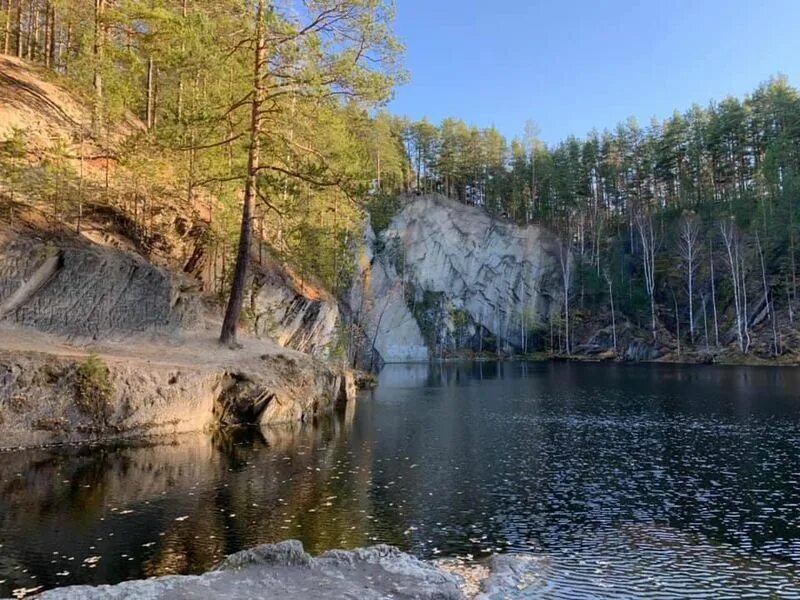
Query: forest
(675,222)
(272,117)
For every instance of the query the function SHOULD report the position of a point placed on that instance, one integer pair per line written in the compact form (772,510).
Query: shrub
(93,389)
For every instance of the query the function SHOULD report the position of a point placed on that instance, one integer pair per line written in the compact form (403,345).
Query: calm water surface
(623,481)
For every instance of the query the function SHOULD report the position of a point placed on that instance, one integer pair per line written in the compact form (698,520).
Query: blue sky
(572,65)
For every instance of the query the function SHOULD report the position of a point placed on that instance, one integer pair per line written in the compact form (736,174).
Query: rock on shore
(287,572)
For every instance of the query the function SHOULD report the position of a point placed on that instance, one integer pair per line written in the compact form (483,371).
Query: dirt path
(199,350)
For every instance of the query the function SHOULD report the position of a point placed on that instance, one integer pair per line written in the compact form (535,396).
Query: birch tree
(713,292)
(648,238)
(731,239)
(607,277)
(532,139)
(565,261)
(770,312)
(689,229)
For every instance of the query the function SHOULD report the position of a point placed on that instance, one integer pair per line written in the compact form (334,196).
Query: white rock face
(484,275)
(377,302)
(296,315)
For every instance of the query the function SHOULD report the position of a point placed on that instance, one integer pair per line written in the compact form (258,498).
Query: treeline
(260,113)
(262,116)
(691,221)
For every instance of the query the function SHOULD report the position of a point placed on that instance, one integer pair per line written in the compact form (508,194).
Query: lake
(624,481)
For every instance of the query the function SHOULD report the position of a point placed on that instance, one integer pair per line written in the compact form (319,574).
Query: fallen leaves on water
(91,561)
(25,592)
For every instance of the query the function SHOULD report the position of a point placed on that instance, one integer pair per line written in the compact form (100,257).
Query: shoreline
(363,382)
(744,361)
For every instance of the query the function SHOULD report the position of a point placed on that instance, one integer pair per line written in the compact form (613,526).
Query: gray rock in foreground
(285,571)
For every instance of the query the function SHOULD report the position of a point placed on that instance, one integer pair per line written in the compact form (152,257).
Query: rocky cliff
(378,306)
(294,313)
(445,277)
(81,291)
(97,342)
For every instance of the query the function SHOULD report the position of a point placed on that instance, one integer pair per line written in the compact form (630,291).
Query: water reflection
(644,481)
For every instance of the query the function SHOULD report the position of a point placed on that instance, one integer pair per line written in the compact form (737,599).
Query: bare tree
(647,235)
(613,315)
(689,230)
(732,241)
(767,302)
(677,318)
(745,310)
(565,260)
(713,292)
(532,138)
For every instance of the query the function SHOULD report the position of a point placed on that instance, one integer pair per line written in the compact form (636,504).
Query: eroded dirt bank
(46,396)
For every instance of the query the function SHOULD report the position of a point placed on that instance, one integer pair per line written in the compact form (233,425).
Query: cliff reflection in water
(177,505)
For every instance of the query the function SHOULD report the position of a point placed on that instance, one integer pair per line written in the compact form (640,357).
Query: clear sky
(574,65)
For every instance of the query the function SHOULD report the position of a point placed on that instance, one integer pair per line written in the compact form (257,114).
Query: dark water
(623,481)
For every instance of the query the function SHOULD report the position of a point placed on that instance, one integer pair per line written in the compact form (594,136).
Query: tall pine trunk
(184,12)
(19,29)
(7,28)
(236,299)
(51,43)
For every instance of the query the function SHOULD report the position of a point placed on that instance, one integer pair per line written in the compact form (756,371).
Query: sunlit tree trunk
(150,93)
(677,319)
(97,52)
(7,28)
(184,12)
(236,299)
(19,28)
